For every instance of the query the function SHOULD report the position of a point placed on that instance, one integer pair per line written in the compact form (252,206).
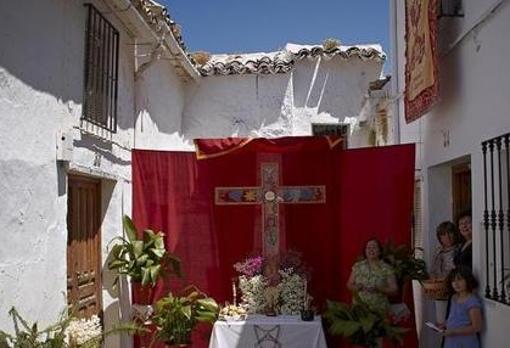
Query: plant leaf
(129,227)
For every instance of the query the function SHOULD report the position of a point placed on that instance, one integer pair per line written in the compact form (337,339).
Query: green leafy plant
(28,335)
(404,263)
(359,324)
(176,316)
(144,259)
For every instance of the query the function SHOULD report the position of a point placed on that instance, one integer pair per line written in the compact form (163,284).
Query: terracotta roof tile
(284,61)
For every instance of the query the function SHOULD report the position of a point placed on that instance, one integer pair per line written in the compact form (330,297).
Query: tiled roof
(284,61)
(380,83)
(155,14)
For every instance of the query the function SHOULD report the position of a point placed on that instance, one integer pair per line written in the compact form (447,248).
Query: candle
(305,294)
(234,292)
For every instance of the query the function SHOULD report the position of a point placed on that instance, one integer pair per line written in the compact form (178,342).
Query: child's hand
(447,333)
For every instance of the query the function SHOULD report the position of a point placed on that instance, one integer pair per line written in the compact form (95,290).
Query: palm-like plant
(142,259)
(176,316)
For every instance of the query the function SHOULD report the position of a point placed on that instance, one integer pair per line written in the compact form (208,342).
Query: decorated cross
(270,195)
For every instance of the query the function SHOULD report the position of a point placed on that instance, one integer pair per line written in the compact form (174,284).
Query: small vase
(142,294)
(307,315)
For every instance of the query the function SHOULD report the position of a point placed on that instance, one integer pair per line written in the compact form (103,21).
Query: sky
(241,26)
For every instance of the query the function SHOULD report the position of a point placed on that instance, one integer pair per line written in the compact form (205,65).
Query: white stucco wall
(160,100)
(316,91)
(475,106)
(41,90)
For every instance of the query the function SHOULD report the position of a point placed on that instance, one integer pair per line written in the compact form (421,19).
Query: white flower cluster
(290,289)
(233,312)
(252,289)
(84,331)
(291,292)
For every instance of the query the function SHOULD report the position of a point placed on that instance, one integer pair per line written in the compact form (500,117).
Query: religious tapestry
(422,84)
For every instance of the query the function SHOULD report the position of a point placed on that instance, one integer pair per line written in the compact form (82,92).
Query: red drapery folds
(366,192)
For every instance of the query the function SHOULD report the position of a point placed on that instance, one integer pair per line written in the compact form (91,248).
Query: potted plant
(404,263)
(143,259)
(175,317)
(406,266)
(361,325)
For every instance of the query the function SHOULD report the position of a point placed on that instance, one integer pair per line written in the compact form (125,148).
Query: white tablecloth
(260,331)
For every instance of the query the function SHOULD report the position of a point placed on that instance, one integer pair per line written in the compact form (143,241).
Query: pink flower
(250,267)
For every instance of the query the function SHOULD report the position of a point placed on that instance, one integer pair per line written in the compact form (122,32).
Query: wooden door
(84,246)
(461,189)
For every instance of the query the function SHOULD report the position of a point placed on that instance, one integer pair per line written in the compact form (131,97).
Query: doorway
(84,246)
(461,190)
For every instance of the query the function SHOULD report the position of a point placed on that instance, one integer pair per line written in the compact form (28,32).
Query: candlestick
(234,292)
(305,294)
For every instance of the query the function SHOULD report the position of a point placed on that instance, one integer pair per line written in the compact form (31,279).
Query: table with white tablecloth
(260,331)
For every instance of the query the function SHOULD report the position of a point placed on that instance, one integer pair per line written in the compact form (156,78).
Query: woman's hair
(379,245)
(448,227)
(465,273)
(464,214)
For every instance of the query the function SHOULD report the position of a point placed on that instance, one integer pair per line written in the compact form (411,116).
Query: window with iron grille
(101,71)
(341,130)
(496,217)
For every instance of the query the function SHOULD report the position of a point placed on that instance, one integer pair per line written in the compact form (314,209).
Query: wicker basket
(436,289)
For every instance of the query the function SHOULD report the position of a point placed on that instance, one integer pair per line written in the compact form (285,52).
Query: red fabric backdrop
(369,193)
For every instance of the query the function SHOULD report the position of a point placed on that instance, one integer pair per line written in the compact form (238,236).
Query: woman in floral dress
(373,279)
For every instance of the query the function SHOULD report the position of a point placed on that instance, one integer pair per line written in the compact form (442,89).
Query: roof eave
(143,30)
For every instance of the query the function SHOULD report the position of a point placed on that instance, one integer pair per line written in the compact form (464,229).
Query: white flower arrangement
(276,286)
(291,292)
(84,332)
(252,289)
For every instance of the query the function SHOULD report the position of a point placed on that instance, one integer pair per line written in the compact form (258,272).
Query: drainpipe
(395,83)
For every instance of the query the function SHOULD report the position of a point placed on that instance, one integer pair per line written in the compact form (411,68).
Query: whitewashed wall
(318,91)
(475,106)
(41,91)
(160,100)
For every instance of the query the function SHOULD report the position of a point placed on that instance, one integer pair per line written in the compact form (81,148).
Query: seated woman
(372,278)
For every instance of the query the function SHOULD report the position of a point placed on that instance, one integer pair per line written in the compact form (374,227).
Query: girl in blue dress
(465,318)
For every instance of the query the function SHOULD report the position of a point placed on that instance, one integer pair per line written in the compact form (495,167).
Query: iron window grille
(496,217)
(101,71)
(341,130)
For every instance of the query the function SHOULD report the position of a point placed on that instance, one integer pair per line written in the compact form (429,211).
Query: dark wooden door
(461,189)
(84,246)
